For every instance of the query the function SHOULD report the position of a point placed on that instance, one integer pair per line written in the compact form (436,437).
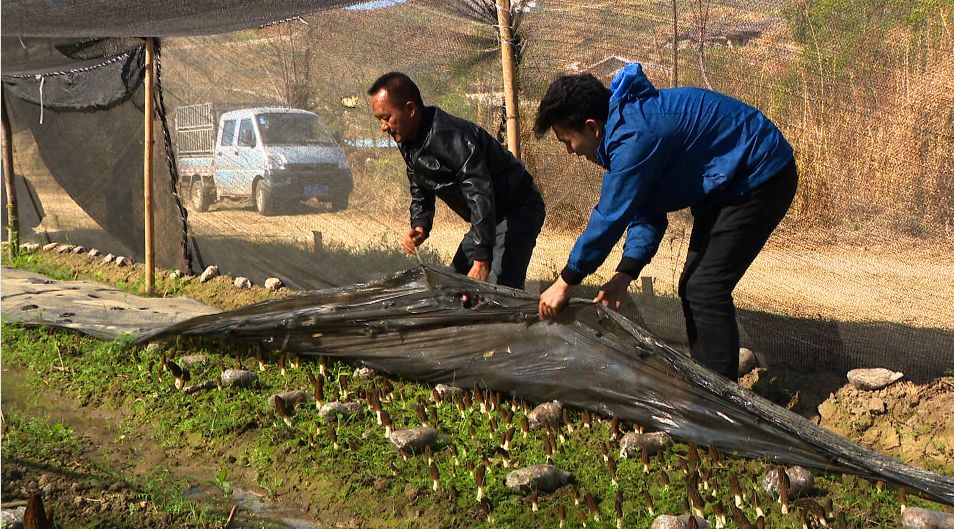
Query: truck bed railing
(195,129)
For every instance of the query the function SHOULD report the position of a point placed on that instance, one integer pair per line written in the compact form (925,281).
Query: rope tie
(41,79)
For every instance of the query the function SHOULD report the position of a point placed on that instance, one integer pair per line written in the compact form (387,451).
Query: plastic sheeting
(90,307)
(438,328)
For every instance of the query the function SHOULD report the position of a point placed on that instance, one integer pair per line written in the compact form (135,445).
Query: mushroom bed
(352,447)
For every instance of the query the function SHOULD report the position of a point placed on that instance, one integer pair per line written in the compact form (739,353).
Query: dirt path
(896,281)
(854,284)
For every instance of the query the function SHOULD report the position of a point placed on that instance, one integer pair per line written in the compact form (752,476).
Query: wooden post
(147,164)
(317,244)
(674,80)
(9,182)
(647,286)
(508,63)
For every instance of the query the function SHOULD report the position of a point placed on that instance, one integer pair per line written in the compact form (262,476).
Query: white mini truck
(277,156)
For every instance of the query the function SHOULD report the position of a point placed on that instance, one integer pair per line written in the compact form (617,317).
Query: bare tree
(701,20)
(291,63)
(674,79)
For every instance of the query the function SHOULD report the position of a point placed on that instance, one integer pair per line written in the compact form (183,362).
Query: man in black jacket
(461,163)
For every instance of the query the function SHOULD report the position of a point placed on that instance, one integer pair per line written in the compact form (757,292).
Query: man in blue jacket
(665,150)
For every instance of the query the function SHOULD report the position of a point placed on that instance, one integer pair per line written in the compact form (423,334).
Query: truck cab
(275,156)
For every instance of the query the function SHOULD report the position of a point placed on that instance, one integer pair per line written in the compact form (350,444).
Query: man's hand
(614,291)
(553,299)
(412,239)
(480,271)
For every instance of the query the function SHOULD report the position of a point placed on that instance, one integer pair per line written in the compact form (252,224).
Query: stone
(123,261)
(238,378)
(175,274)
(79,250)
(363,373)
(872,379)
(191,360)
(12,518)
(94,253)
(210,272)
(29,247)
(411,492)
(414,440)
(155,347)
(747,361)
(633,443)
(201,386)
(446,391)
(273,283)
(294,397)
(918,518)
(109,258)
(544,478)
(242,282)
(64,248)
(668,521)
(801,481)
(548,413)
(49,246)
(342,409)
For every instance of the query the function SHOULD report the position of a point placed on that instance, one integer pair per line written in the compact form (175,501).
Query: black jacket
(467,168)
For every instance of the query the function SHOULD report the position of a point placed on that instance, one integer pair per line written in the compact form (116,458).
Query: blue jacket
(666,150)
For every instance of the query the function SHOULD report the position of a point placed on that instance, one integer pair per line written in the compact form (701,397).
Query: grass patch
(39,439)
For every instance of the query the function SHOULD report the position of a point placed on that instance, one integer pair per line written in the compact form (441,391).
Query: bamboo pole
(9,182)
(508,64)
(147,164)
(674,81)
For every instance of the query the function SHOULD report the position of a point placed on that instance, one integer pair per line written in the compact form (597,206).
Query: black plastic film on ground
(416,324)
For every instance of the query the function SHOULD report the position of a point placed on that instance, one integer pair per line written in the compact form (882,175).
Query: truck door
(226,159)
(251,161)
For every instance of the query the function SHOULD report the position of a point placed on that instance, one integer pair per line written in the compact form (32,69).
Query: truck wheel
(264,199)
(339,203)
(201,196)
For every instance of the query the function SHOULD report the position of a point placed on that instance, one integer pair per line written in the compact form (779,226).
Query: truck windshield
(279,128)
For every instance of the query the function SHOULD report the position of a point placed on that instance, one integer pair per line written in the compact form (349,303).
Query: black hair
(399,86)
(570,101)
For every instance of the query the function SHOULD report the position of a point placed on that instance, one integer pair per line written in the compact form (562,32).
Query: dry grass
(890,163)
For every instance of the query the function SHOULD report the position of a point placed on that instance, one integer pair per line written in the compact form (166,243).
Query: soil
(83,488)
(911,422)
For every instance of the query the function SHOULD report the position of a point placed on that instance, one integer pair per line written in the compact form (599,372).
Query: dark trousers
(723,244)
(517,235)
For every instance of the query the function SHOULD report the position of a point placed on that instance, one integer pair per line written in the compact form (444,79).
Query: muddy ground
(116,476)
